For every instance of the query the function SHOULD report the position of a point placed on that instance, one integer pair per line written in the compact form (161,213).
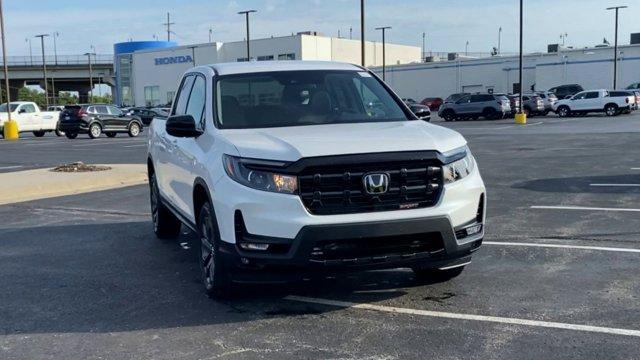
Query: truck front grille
(341,189)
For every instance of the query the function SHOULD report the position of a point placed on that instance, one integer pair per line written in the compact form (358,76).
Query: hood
(293,143)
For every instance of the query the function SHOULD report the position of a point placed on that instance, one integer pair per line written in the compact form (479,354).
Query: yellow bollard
(521,118)
(11,130)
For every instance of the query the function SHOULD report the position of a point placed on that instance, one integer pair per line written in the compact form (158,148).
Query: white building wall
(592,68)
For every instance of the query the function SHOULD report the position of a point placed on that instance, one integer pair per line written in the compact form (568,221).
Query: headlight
(460,168)
(240,171)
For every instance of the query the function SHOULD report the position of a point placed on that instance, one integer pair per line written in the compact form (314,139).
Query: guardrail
(52,60)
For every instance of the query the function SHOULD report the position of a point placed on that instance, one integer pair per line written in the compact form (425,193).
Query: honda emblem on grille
(376,183)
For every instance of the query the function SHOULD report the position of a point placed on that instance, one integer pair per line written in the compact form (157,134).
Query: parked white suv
(594,101)
(289,168)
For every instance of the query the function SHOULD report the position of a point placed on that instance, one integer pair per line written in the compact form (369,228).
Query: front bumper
(424,243)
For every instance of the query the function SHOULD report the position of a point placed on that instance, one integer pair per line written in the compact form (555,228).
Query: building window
(243,59)
(287,57)
(170,95)
(265,58)
(152,95)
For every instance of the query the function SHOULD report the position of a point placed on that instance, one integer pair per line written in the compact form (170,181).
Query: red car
(432,103)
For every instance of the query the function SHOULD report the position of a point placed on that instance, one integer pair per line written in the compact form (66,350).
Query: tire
(71,135)
(545,113)
(563,111)
(110,134)
(38,133)
(165,224)
(95,130)
(490,114)
(437,275)
(134,129)
(59,133)
(611,110)
(449,115)
(215,274)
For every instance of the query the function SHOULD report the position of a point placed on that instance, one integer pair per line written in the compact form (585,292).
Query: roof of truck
(284,65)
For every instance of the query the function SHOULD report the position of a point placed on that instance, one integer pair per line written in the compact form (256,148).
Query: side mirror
(182,126)
(22,111)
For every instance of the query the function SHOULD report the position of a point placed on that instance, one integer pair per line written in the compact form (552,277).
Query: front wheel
(215,275)
(95,130)
(71,135)
(449,115)
(134,129)
(611,110)
(59,133)
(563,111)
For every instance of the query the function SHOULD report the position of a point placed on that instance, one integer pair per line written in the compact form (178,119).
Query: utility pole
(384,60)
(44,69)
(466,48)
(90,78)
(168,24)
(246,14)
(55,47)
(350,32)
(499,40)
(5,65)
(615,47)
(362,55)
(210,34)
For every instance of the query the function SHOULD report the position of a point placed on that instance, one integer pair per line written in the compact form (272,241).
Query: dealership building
(147,72)
(590,67)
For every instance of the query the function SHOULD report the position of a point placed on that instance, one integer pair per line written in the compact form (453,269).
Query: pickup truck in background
(30,119)
(589,101)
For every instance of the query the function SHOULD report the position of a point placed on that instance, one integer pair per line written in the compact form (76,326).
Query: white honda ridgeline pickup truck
(299,167)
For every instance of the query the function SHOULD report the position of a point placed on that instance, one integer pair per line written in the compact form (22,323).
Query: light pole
(55,47)
(44,69)
(246,14)
(466,49)
(210,34)
(520,117)
(28,40)
(362,56)
(499,40)
(6,70)
(615,47)
(384,62)
(350,32)
(90,77)
(100,75)
(424,36)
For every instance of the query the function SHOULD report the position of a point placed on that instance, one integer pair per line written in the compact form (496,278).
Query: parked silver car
(473,106)
(549,99)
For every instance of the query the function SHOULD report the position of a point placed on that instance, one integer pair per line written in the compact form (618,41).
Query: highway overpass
(64,73)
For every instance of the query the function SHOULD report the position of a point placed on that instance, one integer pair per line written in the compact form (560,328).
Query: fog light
(475,229)
(254,246)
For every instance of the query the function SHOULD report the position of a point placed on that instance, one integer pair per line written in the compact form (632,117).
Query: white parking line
(561,246)
(534,124)
(615,185)
(471,317)
(10,167)
(140,145)
(584,208)
(635,168)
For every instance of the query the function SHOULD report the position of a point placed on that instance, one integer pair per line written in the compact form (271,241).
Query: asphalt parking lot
(83,276)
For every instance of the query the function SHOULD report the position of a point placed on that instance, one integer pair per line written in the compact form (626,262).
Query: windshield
(3,107)
(293,98)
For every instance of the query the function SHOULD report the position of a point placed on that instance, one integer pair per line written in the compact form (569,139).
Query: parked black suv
(147,114)
(564,91)
(95,119)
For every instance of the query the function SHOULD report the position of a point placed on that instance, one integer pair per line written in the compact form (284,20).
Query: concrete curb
(21,186)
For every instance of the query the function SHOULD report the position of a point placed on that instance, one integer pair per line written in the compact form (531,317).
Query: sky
(448,24)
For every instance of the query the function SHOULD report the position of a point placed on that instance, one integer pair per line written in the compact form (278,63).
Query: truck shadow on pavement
(586,184)
(118,277)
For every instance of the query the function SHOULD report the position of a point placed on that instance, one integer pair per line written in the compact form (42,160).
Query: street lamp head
(383,28)
(247,12)
(617,7)
(41,35)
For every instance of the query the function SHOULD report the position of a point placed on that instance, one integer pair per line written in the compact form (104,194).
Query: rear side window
(180,107)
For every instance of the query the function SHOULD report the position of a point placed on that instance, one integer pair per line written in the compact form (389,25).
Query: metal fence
(35,60)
